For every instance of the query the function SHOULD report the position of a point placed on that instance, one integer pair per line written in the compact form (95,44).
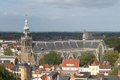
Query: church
(33,52)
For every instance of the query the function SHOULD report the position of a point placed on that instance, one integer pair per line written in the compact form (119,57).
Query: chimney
(118,72)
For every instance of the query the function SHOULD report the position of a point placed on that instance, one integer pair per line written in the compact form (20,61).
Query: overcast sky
(60,15)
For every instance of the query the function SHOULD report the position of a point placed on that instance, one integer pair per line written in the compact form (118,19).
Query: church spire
(26,28)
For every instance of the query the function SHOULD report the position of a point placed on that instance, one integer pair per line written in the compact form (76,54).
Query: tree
(112,56)
(104,58)
(117,48)
(52,58)
(78,37)
(8,52)
(5,74)
(12,46)
(86,58)
(115,71)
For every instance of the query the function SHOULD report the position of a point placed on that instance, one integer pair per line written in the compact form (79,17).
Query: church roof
(71,44)
(36,56)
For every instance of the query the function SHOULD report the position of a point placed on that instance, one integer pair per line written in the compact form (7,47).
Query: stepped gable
(105,65)
(95,63)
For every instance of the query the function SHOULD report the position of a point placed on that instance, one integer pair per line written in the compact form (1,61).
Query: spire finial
(26,28)
(26,16)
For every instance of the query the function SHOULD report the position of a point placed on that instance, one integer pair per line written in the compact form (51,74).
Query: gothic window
(62,59)
(40,62)
(100,53)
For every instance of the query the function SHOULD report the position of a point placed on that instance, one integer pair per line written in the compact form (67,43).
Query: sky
(60,15)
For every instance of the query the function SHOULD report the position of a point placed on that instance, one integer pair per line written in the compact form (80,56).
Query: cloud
(79,3)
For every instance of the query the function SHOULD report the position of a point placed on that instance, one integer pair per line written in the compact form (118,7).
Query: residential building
(22,71)
(105,68)
(94,68)
(70,66)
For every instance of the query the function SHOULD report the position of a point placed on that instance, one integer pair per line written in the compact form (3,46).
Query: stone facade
(33,52)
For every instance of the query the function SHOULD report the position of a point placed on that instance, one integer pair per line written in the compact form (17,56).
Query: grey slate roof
(36,56)
(64,77)
(86,75)
(4,61)
(34,67)
(17,66)
(59,45)
(75,54)
(53,73)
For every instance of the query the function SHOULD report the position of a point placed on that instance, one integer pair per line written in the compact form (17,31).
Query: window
(19,69)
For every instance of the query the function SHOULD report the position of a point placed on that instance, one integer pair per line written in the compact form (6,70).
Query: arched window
(100,53)
(40,62)
(62,59)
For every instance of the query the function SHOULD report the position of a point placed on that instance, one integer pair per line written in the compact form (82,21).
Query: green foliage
(52,58)
(5,74)
(115,71)
(112,41)
(87,58)
(112,56)
(8,52)
(12,46)
(117,48)
(78,37)
(104,58)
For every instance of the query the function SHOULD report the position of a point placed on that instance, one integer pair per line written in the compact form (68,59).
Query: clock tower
(26,45)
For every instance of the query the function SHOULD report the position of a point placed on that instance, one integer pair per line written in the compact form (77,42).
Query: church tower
(26,44)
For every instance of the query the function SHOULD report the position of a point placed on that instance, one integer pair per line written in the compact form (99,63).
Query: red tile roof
(51,65)
(38,71)
(17,57)
(95,63)
(46,66)
(70,63)
(73,76)
(8,65)
(55,66)
(105,65)
(44,77)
